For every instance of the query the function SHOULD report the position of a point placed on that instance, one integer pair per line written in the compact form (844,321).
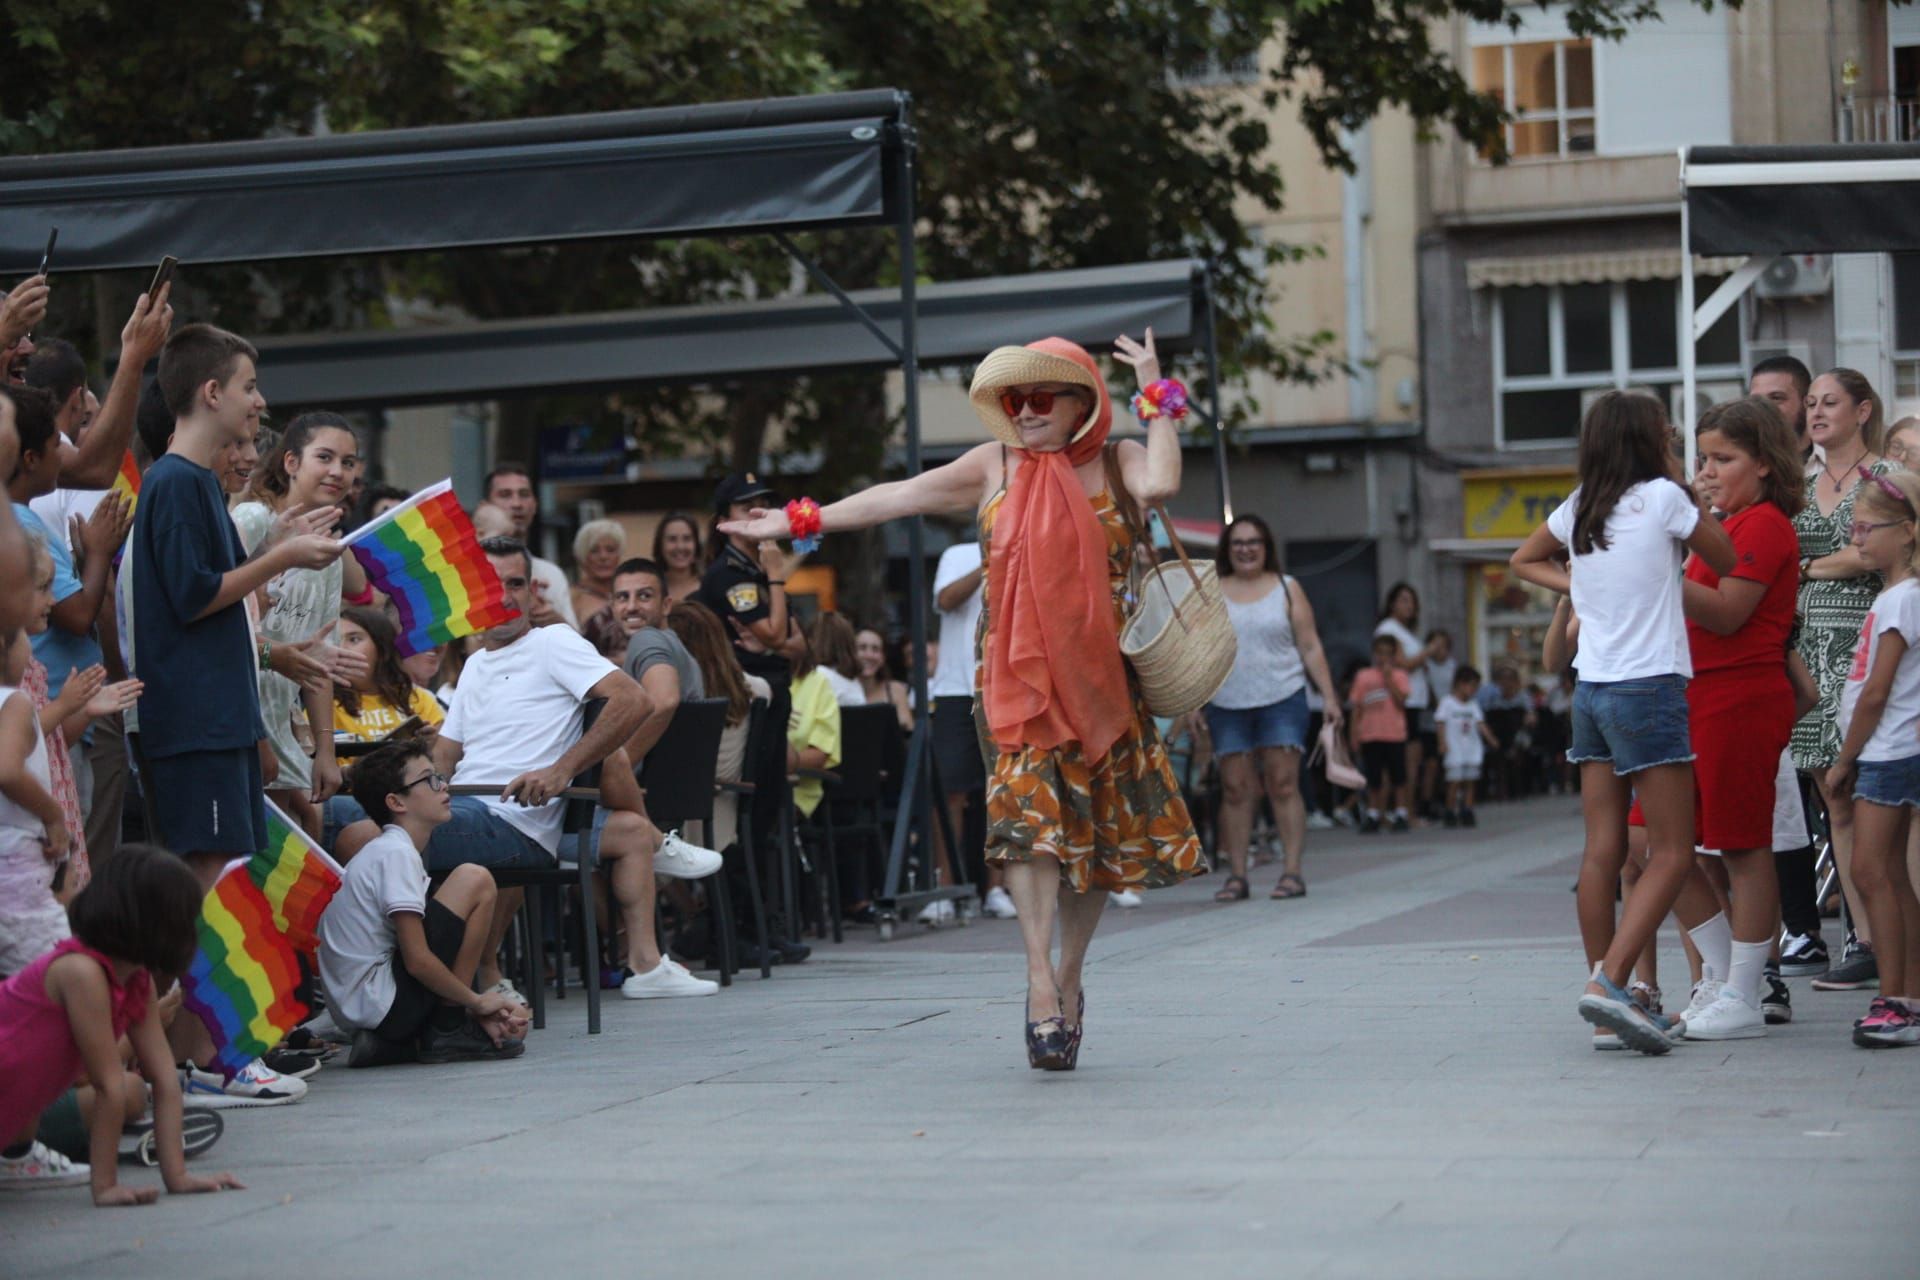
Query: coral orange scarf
(1053,671)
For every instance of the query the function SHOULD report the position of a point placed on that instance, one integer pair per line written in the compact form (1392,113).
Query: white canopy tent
(1760,202)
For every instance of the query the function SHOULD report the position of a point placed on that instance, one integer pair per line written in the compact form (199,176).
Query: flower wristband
(1164,398)
(803,524)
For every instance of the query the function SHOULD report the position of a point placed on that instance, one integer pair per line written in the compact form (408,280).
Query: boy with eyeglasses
(398,966)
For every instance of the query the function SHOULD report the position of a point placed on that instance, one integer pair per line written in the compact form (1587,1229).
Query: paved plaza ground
(1384,1079)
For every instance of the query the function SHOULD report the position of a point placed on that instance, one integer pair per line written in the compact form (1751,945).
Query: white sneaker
(679,860)
(1127,898)
(1318,821)
(1729,1017)
(255,1086)
(505,987)
(999,904)
(1705,992)
(665,980)
(937,913)
(41,1167)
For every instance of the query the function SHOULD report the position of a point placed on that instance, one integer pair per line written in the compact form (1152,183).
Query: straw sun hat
(1044,361)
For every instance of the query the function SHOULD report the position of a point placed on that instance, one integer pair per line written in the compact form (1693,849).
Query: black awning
(958,323)
(728,167)
(1850,198)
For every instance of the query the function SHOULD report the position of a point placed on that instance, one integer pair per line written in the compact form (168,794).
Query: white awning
(1588,268)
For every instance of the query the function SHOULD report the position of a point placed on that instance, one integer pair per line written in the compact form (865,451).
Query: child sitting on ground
(1464,738)
(68,1009)
(397,966)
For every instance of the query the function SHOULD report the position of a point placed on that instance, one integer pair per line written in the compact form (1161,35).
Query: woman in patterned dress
(1082,798)
(1836,588)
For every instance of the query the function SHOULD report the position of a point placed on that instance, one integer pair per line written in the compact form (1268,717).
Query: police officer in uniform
(745,585)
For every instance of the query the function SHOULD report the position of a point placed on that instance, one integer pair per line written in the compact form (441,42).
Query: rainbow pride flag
(127,483)
(297,879)
(242,980)
(424,556)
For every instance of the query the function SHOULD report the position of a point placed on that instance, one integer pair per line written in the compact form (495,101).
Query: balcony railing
(1884,118)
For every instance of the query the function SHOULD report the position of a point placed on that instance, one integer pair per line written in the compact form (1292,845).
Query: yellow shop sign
(1511,504)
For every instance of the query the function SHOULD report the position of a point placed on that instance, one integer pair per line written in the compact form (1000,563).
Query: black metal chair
(582,799)
(677,777)
(743,791)
(859,793)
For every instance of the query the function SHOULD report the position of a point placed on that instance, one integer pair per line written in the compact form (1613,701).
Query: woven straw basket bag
(1177,636)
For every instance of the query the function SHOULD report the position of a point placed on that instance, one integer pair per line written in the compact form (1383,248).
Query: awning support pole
(1722,299)
(1688,413)
(827,282)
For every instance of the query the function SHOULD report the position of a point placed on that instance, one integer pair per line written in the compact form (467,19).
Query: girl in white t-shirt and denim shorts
(1879,761)
(1627,526)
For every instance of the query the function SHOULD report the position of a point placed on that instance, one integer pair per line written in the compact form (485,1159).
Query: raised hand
(761,524)
(23,309)
(298,662)
(101,533)
(147,328)
(297,522)
(311,551)
(1141,355)
(79,689)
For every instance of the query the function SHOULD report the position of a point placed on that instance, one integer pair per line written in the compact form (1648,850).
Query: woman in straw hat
(1082,799)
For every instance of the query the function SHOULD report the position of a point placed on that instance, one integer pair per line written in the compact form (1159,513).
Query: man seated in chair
(518,722)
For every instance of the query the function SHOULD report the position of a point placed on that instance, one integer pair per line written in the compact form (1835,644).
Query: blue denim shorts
(1281,724)
(475,833)
(1631,724)
(1889,782)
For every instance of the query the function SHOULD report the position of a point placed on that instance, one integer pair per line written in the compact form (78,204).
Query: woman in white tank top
(1261,710)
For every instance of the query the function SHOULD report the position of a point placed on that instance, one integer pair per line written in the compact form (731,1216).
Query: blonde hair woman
(1082,798)
(598,549)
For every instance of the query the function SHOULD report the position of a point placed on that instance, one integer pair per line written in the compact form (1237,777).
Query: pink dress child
(65,790)
(32,920)
(38,1057)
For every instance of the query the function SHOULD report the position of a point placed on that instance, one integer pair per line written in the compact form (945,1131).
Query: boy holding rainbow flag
(398,966)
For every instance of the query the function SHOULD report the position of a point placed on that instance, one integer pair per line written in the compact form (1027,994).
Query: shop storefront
(1507,618)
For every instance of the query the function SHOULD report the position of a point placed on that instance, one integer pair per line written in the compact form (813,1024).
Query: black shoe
(1857,970)
(788,952)
(1804,955)
(1369,825)
(1467,819)
(465,1043)
(200,1128)
(370,1050)
(1449,819)
(1776,1002)
(1400,826)
(292,1062)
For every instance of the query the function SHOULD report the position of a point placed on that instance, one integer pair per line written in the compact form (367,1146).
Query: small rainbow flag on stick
(127,483)
(296,877)
(242,980)
(424,556)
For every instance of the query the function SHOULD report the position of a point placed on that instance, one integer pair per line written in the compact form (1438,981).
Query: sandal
(1290,886)
(1234,890)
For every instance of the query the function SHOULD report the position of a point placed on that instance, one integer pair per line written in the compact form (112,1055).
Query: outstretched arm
(957,486)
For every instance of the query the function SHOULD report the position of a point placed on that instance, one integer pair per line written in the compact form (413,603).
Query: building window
(1557,346)
(1906,327)
(1547,85)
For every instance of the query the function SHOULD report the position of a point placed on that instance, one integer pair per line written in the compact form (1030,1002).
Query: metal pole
(1687,410)
(1213,396)
(915,809)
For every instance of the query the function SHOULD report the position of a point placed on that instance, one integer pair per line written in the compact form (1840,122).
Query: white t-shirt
(1459,724)
(953,677)
(1627,596)
(357,936)
(557,593)
(56,509)
(521,708)
(1898,735)
(1418,694)
(847,692)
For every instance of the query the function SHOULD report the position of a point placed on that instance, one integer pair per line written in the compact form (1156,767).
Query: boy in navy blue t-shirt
(200,709)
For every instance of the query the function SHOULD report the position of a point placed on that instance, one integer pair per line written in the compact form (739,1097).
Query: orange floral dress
(1117,824)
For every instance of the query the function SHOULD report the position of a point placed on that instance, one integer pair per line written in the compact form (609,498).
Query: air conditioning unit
(1705,396)
(1796,275)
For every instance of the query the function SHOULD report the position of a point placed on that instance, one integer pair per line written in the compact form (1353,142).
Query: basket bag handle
(1130,512)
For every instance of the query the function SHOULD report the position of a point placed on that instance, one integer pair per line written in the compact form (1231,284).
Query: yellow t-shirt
(378,717)
(815,722)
